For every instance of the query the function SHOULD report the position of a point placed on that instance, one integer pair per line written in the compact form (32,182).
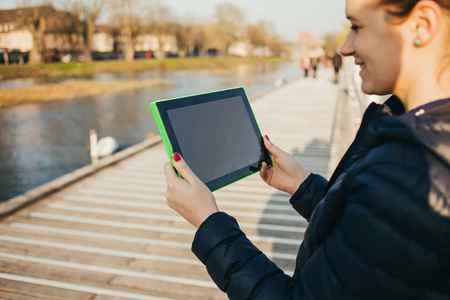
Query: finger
(180,164)
(273,150)
(170,172)
(263,171)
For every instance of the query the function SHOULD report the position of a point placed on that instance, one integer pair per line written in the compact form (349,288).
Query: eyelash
(355,28)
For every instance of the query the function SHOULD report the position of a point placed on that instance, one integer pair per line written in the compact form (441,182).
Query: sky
(288,16)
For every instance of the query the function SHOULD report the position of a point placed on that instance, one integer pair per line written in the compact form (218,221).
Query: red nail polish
(176,157)
(267,137)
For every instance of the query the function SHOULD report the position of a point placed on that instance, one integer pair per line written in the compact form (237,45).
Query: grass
(70,90)
(120,66)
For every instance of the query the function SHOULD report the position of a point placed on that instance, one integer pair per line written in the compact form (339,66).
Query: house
(59,32)
(104,39)
(57,36)
(146,42)
(14,39)
(245,49)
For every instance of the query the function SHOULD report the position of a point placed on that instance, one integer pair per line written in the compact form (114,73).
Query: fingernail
(176,157)
(267,137)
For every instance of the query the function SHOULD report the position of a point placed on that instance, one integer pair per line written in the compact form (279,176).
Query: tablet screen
(216,138)
(216,133)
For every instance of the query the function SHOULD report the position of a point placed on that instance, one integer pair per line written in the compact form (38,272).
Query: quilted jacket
(380,229)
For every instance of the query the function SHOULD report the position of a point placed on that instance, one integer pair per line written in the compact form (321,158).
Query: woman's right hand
(286,174)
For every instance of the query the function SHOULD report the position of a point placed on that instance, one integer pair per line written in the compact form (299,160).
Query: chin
(371,89)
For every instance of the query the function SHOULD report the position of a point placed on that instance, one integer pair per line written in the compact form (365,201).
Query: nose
(348,49)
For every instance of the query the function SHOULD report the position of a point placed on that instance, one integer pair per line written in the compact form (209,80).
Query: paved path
(111,236)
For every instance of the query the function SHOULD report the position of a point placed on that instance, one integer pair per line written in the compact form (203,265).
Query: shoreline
(71,90)
(84,88)
(74,69)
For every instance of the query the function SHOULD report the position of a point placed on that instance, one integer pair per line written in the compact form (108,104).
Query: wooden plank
(175,291)
(16,290)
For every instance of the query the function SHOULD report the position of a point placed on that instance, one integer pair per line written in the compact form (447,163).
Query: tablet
(216,133)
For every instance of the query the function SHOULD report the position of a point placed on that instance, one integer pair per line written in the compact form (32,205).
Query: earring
(417,42)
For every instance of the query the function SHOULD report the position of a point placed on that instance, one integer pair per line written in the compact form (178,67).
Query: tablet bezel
(159,109)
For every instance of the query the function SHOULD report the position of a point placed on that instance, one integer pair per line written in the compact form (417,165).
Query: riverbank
(70,90)
(119,66)
(82,88)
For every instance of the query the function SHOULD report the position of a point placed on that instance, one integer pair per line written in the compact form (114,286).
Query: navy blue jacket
(380,229)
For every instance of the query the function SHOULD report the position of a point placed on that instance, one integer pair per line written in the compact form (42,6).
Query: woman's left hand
(188,196)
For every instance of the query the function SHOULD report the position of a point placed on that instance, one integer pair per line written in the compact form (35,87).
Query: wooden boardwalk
(111,235)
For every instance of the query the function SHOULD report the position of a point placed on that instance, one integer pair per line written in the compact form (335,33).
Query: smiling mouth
(362,66)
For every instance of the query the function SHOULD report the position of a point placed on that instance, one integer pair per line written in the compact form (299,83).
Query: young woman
(380,228)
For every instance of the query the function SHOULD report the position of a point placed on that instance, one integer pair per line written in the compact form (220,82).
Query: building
(57,35)
(165,45)
(54,31)
(245,49)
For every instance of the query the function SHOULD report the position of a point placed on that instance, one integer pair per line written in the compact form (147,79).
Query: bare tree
(257,34)
(34,20)
(306,41)
(127,13)
(192,38)
(230,20)
(276,44)
(162,24)
(329,44)
(88,13)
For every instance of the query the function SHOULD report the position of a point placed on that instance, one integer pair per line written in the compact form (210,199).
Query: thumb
(181,166)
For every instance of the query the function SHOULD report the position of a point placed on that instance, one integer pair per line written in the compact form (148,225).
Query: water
(42,141)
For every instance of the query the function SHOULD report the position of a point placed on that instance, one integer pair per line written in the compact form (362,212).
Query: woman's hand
(286,174)
(188,196)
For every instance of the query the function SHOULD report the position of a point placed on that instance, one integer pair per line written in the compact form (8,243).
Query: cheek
(389,61)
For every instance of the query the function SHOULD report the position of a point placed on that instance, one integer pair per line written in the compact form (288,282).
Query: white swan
(104,146)
(280,81)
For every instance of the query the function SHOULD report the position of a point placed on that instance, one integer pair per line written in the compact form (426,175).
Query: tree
(306,42)
(191,37)
(88,13)
(257,34)
(230,21)
(127,13)
(161,24)
(329,45)
(198,38)
(276,44)
(34,20)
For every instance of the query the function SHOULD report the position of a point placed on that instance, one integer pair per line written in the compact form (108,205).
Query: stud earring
(416,42)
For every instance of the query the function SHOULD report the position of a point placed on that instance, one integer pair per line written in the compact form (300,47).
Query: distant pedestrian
(337,64)
(305,64)
(314,65)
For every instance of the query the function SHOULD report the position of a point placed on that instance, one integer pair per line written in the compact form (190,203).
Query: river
(42,141)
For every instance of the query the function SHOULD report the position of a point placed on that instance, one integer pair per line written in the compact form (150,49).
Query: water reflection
(40,142)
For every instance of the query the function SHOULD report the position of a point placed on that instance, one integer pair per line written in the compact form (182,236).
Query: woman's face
(375,44)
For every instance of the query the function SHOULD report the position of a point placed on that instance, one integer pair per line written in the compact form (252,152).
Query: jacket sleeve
(243,272)
(310,192)
(235,264)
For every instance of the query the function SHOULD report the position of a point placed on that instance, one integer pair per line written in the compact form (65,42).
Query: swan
(102,147)
(280,81)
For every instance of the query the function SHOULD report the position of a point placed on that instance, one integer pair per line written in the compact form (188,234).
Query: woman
(380,228)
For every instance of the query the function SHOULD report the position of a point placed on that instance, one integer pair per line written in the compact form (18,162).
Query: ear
(425,20)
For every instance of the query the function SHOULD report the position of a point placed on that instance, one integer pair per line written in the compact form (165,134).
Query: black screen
(215,138)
